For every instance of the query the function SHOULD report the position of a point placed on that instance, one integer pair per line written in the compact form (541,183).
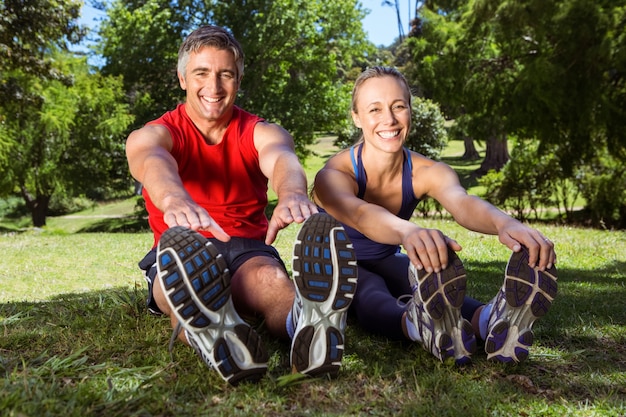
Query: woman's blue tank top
(365,248)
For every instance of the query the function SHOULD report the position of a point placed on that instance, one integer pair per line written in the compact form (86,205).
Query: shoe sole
(196,283)
(326,293)
(442,295)
(529,293)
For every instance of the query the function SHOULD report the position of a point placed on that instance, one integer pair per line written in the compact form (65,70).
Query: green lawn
(77,339)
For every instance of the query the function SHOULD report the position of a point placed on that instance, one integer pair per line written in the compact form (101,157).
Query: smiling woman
(373,189)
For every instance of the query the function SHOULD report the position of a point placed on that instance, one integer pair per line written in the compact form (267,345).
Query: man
(205,168)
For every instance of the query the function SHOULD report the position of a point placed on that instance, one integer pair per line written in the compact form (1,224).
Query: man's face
(211,81)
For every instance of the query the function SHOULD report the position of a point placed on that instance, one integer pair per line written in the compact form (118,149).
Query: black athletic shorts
(235,252)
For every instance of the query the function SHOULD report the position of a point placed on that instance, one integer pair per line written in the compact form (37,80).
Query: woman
(373,189)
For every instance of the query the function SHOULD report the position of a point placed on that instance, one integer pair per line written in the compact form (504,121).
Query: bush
(603,185)
(61,205)
(13,208)
(428,134)
(525,183)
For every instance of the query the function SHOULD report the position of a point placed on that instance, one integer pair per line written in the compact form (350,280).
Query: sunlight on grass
(37,265)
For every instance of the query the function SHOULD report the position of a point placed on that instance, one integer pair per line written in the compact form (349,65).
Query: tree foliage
(24,46)
(66,140)
(60,123)
(551,70)
(547,70)
(139,41)
(28,27)
(298,54)
(462,74)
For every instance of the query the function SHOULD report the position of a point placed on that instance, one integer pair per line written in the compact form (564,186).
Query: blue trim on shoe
(525,296)
(436,311)
(325,274)
(196,284)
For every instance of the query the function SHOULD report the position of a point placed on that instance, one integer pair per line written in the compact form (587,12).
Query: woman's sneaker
(435,310)
(196,282)
(325,274)
(525,296)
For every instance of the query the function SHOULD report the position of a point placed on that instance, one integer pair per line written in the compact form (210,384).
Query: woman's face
(383,112)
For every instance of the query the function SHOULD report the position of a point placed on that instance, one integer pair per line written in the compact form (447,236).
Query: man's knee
(159,297)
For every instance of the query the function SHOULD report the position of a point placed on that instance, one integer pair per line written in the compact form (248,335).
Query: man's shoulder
(170,118)
(244,115)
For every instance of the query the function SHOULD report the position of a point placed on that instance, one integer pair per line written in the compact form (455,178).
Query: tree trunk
(496,155)
(38,207)
(40,210)
(471,154)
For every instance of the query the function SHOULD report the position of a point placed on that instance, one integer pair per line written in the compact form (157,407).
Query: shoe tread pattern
(325,274)
(447,333)
(527,294)
(196,283)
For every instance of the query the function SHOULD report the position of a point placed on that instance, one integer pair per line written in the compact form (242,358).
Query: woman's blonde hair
(377,72)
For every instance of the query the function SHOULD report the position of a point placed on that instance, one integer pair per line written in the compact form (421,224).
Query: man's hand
(294,208)
(181,211)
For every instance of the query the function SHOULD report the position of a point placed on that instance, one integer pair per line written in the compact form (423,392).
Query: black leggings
(381,282)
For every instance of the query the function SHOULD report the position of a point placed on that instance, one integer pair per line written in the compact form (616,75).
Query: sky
(380,24)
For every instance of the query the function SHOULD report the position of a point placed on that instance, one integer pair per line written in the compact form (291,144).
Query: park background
(525,99)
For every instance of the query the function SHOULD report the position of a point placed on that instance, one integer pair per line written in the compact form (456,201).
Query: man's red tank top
(225,178)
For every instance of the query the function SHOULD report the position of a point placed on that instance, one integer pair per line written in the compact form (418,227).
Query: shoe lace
(400,300)
(174,336)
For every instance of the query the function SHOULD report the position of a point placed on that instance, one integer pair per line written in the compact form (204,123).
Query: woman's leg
(377,309)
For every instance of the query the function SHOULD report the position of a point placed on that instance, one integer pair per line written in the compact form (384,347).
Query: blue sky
(380,24)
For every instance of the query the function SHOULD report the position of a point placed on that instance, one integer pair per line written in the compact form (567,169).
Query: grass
(77,340)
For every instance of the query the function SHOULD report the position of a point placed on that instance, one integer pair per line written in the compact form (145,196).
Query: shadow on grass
(128,224)
(465,169)
(137,224)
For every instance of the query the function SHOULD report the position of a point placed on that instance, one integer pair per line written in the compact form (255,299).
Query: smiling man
(205,168)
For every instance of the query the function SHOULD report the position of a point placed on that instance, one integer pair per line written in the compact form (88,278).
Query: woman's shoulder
(340,160)
(420,161)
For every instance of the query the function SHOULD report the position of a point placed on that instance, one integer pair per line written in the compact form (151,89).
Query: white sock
(412,331)
(483,320)
(289,324)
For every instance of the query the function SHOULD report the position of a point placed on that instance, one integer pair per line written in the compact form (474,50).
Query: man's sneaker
(325,274)
(435,309)
(196,282)
(526,295)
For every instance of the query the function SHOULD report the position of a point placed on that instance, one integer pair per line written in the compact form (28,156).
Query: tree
(66,139)
(139,41)
(396,5)
(465,74)
(59,122)
(24,42)
(24,38)
(297,55)
(551,70)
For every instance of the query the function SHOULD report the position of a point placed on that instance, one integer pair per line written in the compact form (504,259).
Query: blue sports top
(364,247)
